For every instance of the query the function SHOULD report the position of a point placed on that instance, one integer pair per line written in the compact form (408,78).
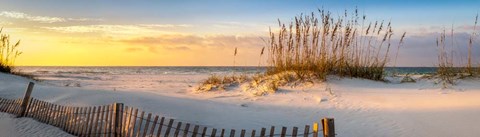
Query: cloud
(123,29)
(41,19)
(166,25)
(422,50)
(194,42)
(133,49)
(116,30)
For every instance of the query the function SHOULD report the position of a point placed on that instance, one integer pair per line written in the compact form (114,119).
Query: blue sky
(219,19)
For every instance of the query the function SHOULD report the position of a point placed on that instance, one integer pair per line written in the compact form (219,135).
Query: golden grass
(216,82)
(8,53)
(320,45)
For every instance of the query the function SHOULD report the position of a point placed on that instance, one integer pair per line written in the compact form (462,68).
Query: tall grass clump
(447,70)
(8,53)
(320,44)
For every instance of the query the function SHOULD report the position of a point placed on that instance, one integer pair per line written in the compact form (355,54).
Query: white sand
(360,107)
(27,127)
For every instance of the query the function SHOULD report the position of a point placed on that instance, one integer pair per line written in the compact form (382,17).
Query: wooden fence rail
(118,120)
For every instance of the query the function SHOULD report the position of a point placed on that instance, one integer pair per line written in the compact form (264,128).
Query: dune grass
(449,70)
(8,53)
(321,44)
(217,82)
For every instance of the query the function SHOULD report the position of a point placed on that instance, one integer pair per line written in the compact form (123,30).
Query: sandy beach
(360,107)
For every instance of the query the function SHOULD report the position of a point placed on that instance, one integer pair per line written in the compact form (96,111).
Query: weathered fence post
(315,129)
(117,120)
(328,127)
(26,99)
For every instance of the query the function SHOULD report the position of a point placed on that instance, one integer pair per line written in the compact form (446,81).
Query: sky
(206,32)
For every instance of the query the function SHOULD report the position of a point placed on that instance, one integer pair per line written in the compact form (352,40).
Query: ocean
(150,78)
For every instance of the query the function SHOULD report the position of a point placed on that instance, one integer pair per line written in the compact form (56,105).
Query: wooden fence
(122,121)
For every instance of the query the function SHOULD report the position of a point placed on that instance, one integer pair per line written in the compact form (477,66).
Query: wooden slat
(253,133)
(92,119)
(147,122)
(16,106)
(306,131)
(222,133)
(204,131)
(50,114)
(111,127)
(65,119)
(81,121)
(71,121)
(131,122)
(262,133)
(160,126)
(154,124)
(37,110)
(177,130)
(124,120)
(97,120)
(55,115)
(284,132)
(7,105)
(102,121)
(169,127)
(242,133)
(29,109)
(214,132)
(29,105)
(60,116)
(294,132)
(232,133)
(128,124)
(36,114)
(185,132)
(118,114)
(272,131)
(87,122)
(11,106)
(315,129)
(134,122)
(140,124)
(44,112)
(75,120)
(107,122)
(195,131)
(68,120)
(328,127)
(2,103)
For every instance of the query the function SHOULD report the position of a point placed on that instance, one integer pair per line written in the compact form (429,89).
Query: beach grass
(320,44)
(8,53)
(449,70)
